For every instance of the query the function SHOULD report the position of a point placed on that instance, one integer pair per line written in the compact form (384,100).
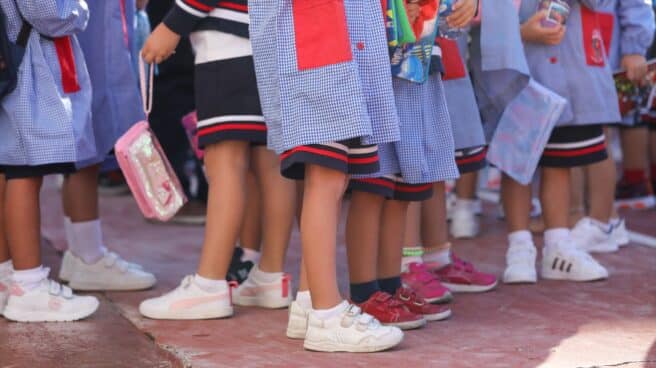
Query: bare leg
(80,194)
(323,193)
(601,180)
(279,208)
(577,208)
(554,194)
(392,231)
(226,165)
(516,204)
(634,148)
(4,247)
(363,227)
(433,219)
(412,236)
(466,185)
(251,230)
(23,222)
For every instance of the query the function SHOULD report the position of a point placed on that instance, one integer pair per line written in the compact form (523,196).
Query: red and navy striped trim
(190,15)
(471,159)
(254,132)
(393,187)
(348,157)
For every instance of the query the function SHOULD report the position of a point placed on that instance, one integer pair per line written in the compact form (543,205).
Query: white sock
(554,236)
(30,279)
(6,269)
(304,299)
(326,314)
(465,203)
(88,243)
(210,285)
(439,258)
(68,230)
(411,255)
(520,237)
(250,255)
(260,276)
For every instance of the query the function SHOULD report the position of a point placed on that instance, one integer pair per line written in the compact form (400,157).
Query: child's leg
(323,193)
(516,199)
(521,254)
(363,226)
(555,197)
(601,180)
(250,236)
(23,222)
(635,142)
(652,156)
(392,234)
(80,194)
(464,222)
(226,166)
(412,236)
(4,247)
(434,233)
(577,207)
(466,185)
(278,196)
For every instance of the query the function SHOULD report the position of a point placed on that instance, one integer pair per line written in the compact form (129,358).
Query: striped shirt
(203,15)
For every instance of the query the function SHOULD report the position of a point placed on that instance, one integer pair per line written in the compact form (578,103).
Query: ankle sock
(87,241)
(210,285)
(31,278)
(411,255)
(68,230)
(554,236)
(361,292)
(469,204)
(634,176)
(6,269)
(260,276)
(520,237)
(390,285)
(438,258)
(326,314)
(304,299)
(250,255)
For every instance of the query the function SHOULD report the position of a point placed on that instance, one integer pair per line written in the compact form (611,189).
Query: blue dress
(41,121)
(106,45)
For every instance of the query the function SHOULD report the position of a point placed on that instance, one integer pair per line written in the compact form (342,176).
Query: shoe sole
(34,317)
(256,302)
(332,347)
(94,286)
(410,325)
(642,203)
(459,288)
(519,281)
(438,316)
(222,313)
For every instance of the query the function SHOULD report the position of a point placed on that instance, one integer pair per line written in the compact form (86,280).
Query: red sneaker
(462,277)
(425,284)
(391,312)
(416,304)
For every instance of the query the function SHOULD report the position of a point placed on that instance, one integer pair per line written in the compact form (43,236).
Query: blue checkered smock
(39,123)
(329,103)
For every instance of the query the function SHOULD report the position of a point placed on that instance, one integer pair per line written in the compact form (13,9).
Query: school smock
(633,28)
(116,103)
(463,109)
(46,119)
(578,68)
(323,72)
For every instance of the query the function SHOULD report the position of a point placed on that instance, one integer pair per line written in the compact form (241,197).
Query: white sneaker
(4,293)
(70,260)
(255,293)
(48,302)
(297,323)
(567,261)
(188,301)
(464,223)
(109,273)
(520,264)
(620,234)
(592,238)
(352,331)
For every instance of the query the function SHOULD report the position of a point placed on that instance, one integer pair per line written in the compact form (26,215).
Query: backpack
(11,54)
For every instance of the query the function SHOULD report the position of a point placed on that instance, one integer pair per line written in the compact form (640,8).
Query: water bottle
(557,12)
(446,8)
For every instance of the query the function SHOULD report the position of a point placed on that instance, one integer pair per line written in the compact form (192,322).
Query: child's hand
(463,13)
(533,31)
(413,10)
(636,68)
(160,45)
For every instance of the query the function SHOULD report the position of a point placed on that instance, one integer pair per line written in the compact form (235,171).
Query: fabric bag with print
(147,171)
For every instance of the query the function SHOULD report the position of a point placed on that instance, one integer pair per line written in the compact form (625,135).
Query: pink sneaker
(425,284)
(462,277)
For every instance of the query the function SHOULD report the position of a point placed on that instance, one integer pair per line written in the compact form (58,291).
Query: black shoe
(239,270)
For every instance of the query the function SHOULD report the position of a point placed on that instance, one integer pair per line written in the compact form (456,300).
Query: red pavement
(553,324)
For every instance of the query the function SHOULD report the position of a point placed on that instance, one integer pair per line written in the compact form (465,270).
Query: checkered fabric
(39,123)
(330,103)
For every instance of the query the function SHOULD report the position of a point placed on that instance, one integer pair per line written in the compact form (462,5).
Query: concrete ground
(552,324)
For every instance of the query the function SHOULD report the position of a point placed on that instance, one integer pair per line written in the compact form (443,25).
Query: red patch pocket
(597,35)
(454,68)
(321,33)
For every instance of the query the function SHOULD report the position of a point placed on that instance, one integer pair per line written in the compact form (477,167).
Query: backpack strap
(24,34)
